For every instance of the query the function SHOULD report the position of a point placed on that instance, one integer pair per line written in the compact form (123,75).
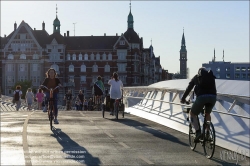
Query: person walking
(17,97)
(40,97)
(80,96)
(29,97)
(68,97)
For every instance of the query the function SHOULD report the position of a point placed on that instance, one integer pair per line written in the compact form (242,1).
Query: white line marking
(109,134)
(124,145)
(146,160)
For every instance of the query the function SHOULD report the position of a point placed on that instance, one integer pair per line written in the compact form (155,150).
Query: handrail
(186,105)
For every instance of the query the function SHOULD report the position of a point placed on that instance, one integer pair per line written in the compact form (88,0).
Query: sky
(207,25)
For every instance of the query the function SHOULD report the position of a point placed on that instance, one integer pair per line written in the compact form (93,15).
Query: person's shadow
(73,151)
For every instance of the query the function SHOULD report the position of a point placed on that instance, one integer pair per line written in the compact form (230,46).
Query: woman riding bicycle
(115,90)
(51,82)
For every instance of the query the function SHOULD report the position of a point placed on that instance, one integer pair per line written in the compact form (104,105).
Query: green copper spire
(56,23)
(130,19)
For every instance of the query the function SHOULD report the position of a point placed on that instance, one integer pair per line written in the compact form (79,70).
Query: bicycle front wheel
(51,117)
(209,141)
(191,135)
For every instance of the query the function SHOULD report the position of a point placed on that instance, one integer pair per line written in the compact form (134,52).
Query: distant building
(26,54)
(228,70)
(183,59)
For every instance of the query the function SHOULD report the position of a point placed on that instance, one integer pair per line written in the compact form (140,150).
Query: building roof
(132,36)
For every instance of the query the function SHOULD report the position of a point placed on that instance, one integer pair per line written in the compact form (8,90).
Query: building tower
(183,58)
(56,23)
(130,19)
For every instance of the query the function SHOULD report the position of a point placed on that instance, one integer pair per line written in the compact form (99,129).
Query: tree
(24,86)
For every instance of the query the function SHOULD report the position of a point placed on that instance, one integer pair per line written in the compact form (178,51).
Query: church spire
(56,23)
(130,18)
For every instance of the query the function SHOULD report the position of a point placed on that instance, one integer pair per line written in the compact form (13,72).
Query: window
(123,79)
(237,75)
(34,67)
(10,56)
(122,67)
(104,56)
(22,67)
(10,67)
(244,76)
(135,67)
(94,78)
(95,68)
(243,68)
(10,79)
(83,78)
(110,56)
(218,69)
(71,68)
(97,56)
(92,56)
(248,69)
(217,75)
(106,68)
(85,56)
(227,76)
(68,56)
(22,36)
(227,68)
(248,76)
(74,57)
(35,56)
(121,55)
(122,42)
(237,69)
(80,56)
(71,79)
(83,68)
(22,56)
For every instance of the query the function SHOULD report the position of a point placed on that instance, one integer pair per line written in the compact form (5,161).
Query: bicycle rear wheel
(191,135)
(209,141)
(116,110)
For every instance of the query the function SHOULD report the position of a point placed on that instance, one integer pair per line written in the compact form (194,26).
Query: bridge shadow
(73,151)
(149,129)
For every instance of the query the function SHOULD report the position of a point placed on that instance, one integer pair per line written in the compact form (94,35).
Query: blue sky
(208,25)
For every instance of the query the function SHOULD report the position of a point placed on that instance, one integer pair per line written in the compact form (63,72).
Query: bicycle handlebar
(50,88)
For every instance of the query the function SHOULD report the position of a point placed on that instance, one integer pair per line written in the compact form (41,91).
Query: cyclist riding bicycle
(51,82)
(205,90)
(116,86)
(98,91)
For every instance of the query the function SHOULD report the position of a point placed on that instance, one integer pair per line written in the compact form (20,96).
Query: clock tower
(183,58)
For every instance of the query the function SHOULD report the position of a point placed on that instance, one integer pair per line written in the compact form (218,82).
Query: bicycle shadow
(147,128)
(73,151)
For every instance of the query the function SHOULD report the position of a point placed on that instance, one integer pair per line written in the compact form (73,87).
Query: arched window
(83,68)
(10,56)
(97,56)
(95,68)
(104,56)
(110,56)
(106,68)
(86,56)
(74,57)
(56,67)
(35,56)
(68,56)
(92,56)
(71,68)
(22,56)
(80,56)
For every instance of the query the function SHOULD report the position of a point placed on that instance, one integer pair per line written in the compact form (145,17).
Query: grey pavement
(85,138)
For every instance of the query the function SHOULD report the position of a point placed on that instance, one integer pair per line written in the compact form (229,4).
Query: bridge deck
(85,138)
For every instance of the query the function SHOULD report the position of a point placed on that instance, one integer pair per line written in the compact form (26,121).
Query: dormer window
(122,42)
(10,56)
(22,56)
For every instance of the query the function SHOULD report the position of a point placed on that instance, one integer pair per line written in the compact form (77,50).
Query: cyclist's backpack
(206,80)
(16,96)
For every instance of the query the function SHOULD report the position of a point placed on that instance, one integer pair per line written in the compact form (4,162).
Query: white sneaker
(45,109)
(56,121)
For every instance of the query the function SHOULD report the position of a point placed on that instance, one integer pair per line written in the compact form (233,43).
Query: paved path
(85,138)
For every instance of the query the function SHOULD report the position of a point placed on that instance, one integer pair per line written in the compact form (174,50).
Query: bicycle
(118,106)
(207,139)
(51,110)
